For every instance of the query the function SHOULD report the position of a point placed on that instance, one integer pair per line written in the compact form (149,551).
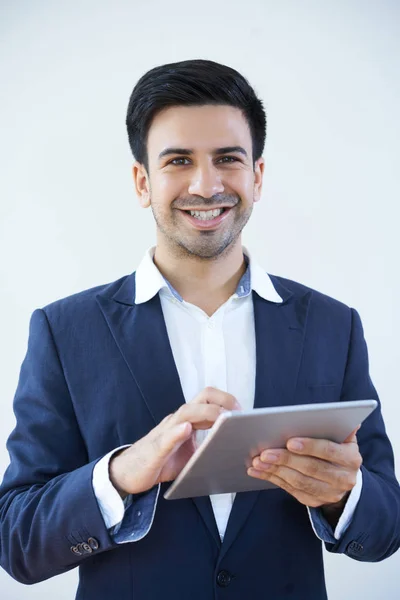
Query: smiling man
(201,195)
(121,381)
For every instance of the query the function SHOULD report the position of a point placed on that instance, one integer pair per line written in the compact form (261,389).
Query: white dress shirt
(217,351)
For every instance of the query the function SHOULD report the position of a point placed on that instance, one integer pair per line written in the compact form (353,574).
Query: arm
(320,473)
(47,503)
(50,519)
(374,531)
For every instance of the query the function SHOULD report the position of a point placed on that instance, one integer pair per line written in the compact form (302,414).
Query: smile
(206,215)
(206,219)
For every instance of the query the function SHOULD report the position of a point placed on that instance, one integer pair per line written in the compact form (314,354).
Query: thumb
(352,436)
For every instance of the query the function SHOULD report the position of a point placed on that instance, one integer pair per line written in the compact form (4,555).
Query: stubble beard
(204,245)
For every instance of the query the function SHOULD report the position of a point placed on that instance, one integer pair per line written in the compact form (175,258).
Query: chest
(217,351)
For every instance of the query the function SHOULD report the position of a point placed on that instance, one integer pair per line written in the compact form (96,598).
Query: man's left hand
(320,473)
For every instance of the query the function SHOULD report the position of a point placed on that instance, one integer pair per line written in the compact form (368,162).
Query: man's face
(200,159)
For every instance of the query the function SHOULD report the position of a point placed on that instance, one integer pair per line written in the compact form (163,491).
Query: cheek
(242,184)
(167,188)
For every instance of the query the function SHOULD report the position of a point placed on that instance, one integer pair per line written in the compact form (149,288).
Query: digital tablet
(220,463)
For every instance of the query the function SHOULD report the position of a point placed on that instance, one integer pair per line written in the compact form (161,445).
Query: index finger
(212,395)
(201,416)
(345,454)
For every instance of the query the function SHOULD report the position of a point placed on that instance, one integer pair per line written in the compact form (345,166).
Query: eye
(179,161)
(228,159)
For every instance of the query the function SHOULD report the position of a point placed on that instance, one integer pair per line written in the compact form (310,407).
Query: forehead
(199,128)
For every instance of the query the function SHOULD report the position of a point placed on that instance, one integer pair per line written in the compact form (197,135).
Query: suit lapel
(141,336)
(280,330)
(140,333)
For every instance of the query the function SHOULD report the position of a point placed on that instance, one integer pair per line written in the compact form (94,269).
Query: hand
(320,474)
(165,450)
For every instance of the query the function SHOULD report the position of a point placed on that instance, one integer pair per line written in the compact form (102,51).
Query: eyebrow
(188,152)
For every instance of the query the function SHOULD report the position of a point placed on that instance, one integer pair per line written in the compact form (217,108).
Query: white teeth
(205,215)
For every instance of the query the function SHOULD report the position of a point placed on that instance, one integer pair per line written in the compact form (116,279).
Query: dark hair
(191,83)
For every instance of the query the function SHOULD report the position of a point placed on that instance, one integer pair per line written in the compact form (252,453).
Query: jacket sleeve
(374,531)
(49,516)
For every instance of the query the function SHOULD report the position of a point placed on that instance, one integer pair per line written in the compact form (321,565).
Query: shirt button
(224,578)
(211,324)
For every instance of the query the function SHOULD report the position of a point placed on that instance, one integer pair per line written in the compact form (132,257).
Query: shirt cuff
(320,525)
(138,517)
(111,505)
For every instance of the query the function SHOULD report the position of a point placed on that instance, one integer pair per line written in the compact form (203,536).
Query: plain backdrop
(328,73)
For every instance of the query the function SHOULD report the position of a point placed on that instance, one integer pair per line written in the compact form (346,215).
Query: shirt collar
(149,280)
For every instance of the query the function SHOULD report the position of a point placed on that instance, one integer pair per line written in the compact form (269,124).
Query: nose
(206,182)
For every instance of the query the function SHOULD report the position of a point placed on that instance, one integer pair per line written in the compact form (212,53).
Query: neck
(206,283)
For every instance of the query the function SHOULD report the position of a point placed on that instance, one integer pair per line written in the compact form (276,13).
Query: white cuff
(110,502)
(350,507)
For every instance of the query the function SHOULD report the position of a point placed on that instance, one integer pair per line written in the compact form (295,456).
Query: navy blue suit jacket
(99,373)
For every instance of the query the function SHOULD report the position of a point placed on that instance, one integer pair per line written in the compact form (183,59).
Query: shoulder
(82,304)
(317,299)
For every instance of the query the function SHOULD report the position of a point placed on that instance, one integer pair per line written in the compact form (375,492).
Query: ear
(258,178)
(142,184)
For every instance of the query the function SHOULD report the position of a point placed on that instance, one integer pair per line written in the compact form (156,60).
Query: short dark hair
(191,83)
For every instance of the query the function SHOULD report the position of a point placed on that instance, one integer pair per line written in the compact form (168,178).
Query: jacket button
(93,543)
(86,548)
(224,578)
(75,550)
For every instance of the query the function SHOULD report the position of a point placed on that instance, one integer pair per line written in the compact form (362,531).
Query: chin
(205,251)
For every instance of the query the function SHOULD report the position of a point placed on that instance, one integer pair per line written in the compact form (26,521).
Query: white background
(329,75)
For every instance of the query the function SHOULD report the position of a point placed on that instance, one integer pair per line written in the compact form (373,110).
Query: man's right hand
(165,450)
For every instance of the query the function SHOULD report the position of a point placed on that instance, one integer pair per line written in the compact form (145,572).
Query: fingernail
(295,445)
(252,471)
(269,457)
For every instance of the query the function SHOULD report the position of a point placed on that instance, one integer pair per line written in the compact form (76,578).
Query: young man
(118,380)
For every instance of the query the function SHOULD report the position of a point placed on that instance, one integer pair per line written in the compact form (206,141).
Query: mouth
(206,219)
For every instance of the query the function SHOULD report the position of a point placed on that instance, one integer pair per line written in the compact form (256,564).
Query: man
(119,380)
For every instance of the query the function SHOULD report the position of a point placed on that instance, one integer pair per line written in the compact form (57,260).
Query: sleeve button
(93,543)
(355,548)
(75,550)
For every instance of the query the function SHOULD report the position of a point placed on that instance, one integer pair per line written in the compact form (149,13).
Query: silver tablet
(220,463)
